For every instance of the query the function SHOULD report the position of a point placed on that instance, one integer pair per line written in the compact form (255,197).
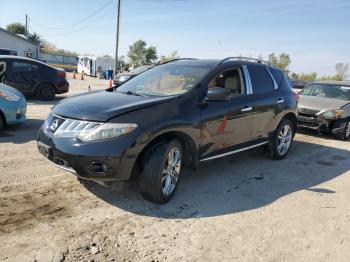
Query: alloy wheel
(284,139)
(171,171)
(347,131)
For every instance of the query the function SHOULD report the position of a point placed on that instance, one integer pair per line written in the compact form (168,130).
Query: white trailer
(91,65)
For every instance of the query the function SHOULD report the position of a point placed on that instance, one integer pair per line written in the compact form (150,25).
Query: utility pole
(26,32)
(116,67)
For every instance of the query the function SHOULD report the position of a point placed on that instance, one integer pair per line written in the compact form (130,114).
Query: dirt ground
(245,207)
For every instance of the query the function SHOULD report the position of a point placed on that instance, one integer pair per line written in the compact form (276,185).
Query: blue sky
(314,32)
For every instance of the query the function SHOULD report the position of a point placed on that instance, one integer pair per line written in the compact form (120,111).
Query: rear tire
(2,122)
(45,92)
(345,135)
(282,140)
(160,172)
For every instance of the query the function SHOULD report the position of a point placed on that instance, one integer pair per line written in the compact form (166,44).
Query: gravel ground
(245,207)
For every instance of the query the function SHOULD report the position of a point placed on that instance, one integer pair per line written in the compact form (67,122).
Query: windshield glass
(166,80)
(139,70)
(327,91)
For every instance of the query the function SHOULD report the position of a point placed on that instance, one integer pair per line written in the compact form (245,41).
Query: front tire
(345,135)
(160,172)
(45,92)
(2,122)
(282,140)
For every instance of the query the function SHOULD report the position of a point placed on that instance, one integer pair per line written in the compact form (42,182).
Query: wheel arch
(292,117)
(44,83)
(188,144)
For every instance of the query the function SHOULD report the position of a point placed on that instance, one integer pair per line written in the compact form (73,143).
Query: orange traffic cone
(82,76)
(74,77)
(110,83)
(89,88)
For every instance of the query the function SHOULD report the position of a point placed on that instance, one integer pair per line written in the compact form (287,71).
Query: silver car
(325,106)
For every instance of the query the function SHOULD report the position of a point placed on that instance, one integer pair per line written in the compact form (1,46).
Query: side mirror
(218,94)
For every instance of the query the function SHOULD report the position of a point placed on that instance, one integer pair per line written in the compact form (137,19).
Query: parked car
(4,51)
(325,106)
(298,84)
(123,77)
(33,77)
(13,106)
(176,114)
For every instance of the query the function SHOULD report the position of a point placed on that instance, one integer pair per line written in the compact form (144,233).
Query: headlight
(9,96)
(106,131)
(331,114)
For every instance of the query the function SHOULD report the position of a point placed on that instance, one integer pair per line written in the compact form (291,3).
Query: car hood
(103,105)
(122,74)
(321,103)
(10,89)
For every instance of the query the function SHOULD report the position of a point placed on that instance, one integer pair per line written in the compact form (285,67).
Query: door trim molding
(234,151)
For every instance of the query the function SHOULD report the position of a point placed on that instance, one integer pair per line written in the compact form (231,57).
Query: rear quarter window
(277,75)
(261,80)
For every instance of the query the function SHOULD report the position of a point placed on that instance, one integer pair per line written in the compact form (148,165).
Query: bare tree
(341,70)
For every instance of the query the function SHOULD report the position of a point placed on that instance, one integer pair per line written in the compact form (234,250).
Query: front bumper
(104,161)
(333,126)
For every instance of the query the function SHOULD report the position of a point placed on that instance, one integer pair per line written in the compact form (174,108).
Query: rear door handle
(280,101)
(247,108)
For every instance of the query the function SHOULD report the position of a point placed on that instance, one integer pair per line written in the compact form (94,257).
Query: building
(21,45)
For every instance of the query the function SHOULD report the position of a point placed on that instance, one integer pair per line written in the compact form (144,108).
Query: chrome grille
(307,111)
(67,127)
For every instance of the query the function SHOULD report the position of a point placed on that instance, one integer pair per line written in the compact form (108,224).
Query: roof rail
(177,59)
(249,59)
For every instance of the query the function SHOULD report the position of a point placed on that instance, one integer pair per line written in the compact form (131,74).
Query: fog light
(98,167)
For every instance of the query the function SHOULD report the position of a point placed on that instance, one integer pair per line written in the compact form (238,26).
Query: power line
(74,24)
(81,27)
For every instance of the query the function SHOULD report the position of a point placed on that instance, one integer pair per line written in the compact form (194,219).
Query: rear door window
(261,79)
(23,67)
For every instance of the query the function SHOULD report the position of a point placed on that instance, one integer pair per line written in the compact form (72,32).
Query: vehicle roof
(214,62)
(13,57)
(345,83)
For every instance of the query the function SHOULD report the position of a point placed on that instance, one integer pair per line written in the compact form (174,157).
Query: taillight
(61,74)
(296,96)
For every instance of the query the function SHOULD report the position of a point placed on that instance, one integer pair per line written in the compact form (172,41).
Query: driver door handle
(280,101)
(247,108)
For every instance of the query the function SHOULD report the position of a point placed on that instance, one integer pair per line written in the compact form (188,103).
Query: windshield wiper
(130,93)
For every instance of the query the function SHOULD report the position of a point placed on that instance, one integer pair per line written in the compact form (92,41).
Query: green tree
(331,78)
(16,28)
(139,54)
(341,70)
(282,61)
(34,37)
(307,77)
(294,76)
(171,56)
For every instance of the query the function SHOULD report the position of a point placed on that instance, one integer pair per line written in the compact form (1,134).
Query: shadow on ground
(315,133)
(57,99)
(239,183)
(23,133)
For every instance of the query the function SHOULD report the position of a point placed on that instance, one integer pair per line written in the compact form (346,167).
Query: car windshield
(166,80)
(140,69)
(327,91)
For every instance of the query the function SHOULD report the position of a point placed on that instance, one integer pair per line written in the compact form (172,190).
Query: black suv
(33,77)
(177,114)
